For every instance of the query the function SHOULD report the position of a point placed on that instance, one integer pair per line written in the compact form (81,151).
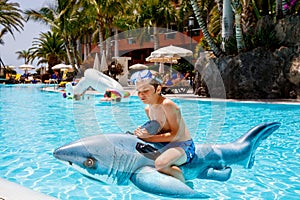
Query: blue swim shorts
(188,146)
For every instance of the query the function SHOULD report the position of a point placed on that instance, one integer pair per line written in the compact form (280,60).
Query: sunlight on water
(33,123)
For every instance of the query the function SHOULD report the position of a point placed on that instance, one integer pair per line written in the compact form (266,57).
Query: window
(170,35)
(131,40)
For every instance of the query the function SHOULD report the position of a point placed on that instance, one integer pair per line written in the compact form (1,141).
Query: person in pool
(179,147)
(113,95)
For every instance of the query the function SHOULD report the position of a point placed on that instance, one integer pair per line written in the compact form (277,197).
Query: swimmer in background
(179,147)
(113,95)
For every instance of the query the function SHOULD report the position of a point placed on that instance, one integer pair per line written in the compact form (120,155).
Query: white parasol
(168,54)
(104,65)
(26,67)
(62,67)
(97,65)
(138,66)
(163,59)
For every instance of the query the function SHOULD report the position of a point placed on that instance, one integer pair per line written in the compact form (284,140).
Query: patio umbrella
(163,59)
(104,65)
(96,65)
(171,52)
(168,54)
(26,67)
(138,66)
(62,67)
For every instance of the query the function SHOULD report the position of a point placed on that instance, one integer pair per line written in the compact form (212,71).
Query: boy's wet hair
(152,81)
(155,83)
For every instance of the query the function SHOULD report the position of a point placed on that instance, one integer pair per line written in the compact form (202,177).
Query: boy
(173,132)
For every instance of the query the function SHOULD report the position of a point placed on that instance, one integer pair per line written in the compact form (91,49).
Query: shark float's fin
(219,174)
(150,180)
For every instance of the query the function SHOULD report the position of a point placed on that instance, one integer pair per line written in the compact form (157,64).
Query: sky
(24,39)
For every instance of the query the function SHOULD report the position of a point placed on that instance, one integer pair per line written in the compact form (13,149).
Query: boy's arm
(173,116)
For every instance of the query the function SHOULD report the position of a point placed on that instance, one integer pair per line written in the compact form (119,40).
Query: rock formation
(257,74)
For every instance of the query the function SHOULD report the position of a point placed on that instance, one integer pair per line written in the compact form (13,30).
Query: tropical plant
(237,9)
(246,15)
(10,17)
(216,50)
(115,69)
(64,18)
(227,22)
(155,13)
(26,55)
(49,48)
(2,33)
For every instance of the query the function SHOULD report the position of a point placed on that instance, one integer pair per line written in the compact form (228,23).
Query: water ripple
(34,123)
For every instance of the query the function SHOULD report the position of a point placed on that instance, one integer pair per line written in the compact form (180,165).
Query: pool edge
(14,191)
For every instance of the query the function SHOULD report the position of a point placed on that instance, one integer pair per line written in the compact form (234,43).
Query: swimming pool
(33,123)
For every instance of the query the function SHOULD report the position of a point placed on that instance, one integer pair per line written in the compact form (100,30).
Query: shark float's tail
(252,139)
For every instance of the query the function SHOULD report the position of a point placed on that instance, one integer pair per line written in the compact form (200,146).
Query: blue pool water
(33,123)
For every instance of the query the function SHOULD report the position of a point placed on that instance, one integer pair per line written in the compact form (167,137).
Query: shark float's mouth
(89,162)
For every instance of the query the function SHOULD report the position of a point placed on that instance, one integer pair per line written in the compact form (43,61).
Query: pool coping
(13,191)
(190,96)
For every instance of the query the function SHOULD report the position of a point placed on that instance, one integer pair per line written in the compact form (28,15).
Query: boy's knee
(160,163)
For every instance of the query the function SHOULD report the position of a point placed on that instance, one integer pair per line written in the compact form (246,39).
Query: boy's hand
(141,133)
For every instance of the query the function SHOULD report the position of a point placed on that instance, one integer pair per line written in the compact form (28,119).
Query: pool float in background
(98,81)
(114,159)
(113,95)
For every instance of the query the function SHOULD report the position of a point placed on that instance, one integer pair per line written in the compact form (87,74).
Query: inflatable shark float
(115,159)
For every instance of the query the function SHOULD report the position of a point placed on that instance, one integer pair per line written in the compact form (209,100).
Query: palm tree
(279,9)
(97,11)
(2,33)
(216,50)
(103,13)
(237,9)
(227,22)
(10,17)
(49,48)
(248,16)
(24,54)
(114,11)
(63,18)
(153,13)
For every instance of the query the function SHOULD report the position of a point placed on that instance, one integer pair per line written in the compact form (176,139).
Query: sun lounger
(181,87)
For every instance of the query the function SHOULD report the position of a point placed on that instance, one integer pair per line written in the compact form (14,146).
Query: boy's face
(146,92)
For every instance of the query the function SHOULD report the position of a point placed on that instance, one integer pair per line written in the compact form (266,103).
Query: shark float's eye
(90,162)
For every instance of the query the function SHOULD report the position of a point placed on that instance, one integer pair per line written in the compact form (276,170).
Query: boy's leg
(167,161)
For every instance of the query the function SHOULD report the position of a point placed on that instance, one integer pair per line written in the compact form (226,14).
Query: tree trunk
(227,22)
(204,30)
(155,37)
(116,43)
(101,45)
(237,8)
